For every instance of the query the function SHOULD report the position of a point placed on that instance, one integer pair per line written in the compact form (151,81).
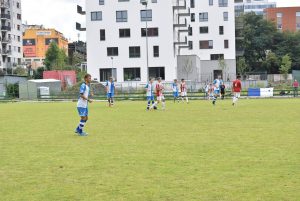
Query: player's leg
(163,102)
(186,98)
(215,97)
(83,112)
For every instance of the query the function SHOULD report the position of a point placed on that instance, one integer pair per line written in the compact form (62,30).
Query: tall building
(36,41)
(11,34)
(256,6)
(135,40)
(286,18)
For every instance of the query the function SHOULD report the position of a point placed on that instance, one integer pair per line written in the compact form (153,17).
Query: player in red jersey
(183,90)
(236,89)
(159,94)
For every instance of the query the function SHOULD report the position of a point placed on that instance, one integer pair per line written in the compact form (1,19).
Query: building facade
(286,18)
(36,41)
(184,39)
(256,6)
(11,34)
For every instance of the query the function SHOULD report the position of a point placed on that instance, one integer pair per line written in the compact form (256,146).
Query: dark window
(105,74)
(225,16)
(211,2)
(101,2)
(216,56)
(226,44)
(96,16)
(192,17)
(112,51)
(155,51)
(203,30)
(124,33)
(121,16)
(134,52)
(151,32)
(132,74)
(190,31)
(223,3)
(221,30)
(203,17)
(192,3)
(102,34)
(190,45)
(154,1)
(155,72)
(146,15)
(206,44)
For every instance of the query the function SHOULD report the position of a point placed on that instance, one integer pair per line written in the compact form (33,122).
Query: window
(206,44)
(155,51)
(192,17)
(221,30)
(192,3)
(132,74)
(96,16)
(226,44)
(190,45)
(151,32)
(279,20)
(203,30)
(19,16)
(102,34)
(216,56)
(190,31)
(19,39)
(211,2)
(18,27)
(18,5)
(112,51)
(134,52)
(157,72)
(121,16)
(124,33)
(298,20)
(19,49)
(101,2)
(146,15)
(225,16)
(122,0)
(154,1)
(106,73)
(203,17)
(223,3)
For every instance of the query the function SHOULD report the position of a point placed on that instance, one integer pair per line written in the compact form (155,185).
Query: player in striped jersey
(159,94)
(183,90)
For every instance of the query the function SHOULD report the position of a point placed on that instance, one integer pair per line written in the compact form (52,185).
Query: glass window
(155,72)
(203,30)
(211,2)
(121,16)
(192,17)
(102,34)
(112,51)
(192,2)
(203,17)
(96,16)
(155,51)
(124,33)
(134,52)
(226,44)
(190,45)
(132,74)
(216,56)
(221,30)
(190,31)
(146,15)
(225,16)
(152,32)
(223,3)
(206,44)
(101,2)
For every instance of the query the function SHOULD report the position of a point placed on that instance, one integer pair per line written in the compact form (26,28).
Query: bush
(12,90)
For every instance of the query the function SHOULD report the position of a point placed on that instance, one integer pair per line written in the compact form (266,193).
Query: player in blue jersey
(82,104)
(149,93)
(216,84)
(110,91)
(175,91)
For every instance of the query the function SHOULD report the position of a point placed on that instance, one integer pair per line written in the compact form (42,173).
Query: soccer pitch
(188,152)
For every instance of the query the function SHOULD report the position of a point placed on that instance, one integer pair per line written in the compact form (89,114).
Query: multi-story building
(11,34)
(135,40)
(256,6)
(36,41)
(285,18)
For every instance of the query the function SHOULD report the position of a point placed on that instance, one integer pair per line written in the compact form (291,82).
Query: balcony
(188,13)
(80,11)
(79,28)
(181,42)
(179,24)
(5,40)
(5,52)
(179,4)
(5,16)
(5,28)
(4,4)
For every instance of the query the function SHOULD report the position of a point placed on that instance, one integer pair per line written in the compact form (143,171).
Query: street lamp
(112,65)
(145,3)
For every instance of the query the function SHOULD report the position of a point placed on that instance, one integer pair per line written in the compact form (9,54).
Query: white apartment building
(11,34)
(257,6)
(185,39)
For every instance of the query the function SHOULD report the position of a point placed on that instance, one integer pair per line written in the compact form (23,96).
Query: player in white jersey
(216,84)
(150,94)
(183,90)
(82,104)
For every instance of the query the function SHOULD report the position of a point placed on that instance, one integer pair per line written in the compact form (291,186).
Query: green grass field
(188,152)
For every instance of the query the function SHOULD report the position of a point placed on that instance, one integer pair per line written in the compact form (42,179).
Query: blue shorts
(216,92)
(83,112)
(110,95)
(150,98)
(175,94)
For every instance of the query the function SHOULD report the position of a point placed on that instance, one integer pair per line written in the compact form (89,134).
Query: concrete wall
(10,79)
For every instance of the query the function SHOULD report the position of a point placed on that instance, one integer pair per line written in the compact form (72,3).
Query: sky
(62,14)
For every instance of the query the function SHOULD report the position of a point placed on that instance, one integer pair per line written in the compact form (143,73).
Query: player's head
(87,78)
(175,80)
(238,77)
(182,80)
(159,79)
(111,79)
(151,80)
(219,76)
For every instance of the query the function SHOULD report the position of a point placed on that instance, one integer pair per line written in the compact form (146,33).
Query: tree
(188,68)
(223,66)
(55,58)
(286,65)
(272,63)
(38,73)
(20,71)
(242,66)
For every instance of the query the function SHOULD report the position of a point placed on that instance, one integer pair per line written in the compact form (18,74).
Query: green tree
(242,66)
(223,66)
(20,71)
(286,65)
(55,58)
(38,73)
(272,63)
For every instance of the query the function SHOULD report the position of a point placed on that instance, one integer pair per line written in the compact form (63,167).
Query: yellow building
(36,41)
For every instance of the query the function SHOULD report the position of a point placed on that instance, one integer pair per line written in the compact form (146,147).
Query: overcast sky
(62,14)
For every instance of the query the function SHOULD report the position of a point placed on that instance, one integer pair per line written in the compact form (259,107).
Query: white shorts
(237,94)
(183,93)
(160,98)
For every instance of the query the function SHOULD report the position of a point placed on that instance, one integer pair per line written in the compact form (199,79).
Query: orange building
(36,41)
(285,18)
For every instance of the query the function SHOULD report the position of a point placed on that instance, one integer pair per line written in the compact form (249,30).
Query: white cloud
(287,3)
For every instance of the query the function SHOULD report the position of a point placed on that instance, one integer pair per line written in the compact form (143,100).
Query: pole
(112,66)
(147,46)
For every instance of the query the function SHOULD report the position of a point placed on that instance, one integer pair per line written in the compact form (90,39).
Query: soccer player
(82,104)
(110,90)
(216,84)
(236,88)
(175,91)
(159,94)
(150,96)
(222,88)
(183,90)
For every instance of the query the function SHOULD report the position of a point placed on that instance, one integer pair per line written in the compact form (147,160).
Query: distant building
(285,18)
(36,41)
(11,34)
(256,6)
(79,48)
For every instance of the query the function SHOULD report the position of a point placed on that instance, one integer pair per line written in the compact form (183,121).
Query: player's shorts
(237,94)
(160,98)
(110,95)
(184,93)
(175,93)
(83,112)
(150,98)
(216,92)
